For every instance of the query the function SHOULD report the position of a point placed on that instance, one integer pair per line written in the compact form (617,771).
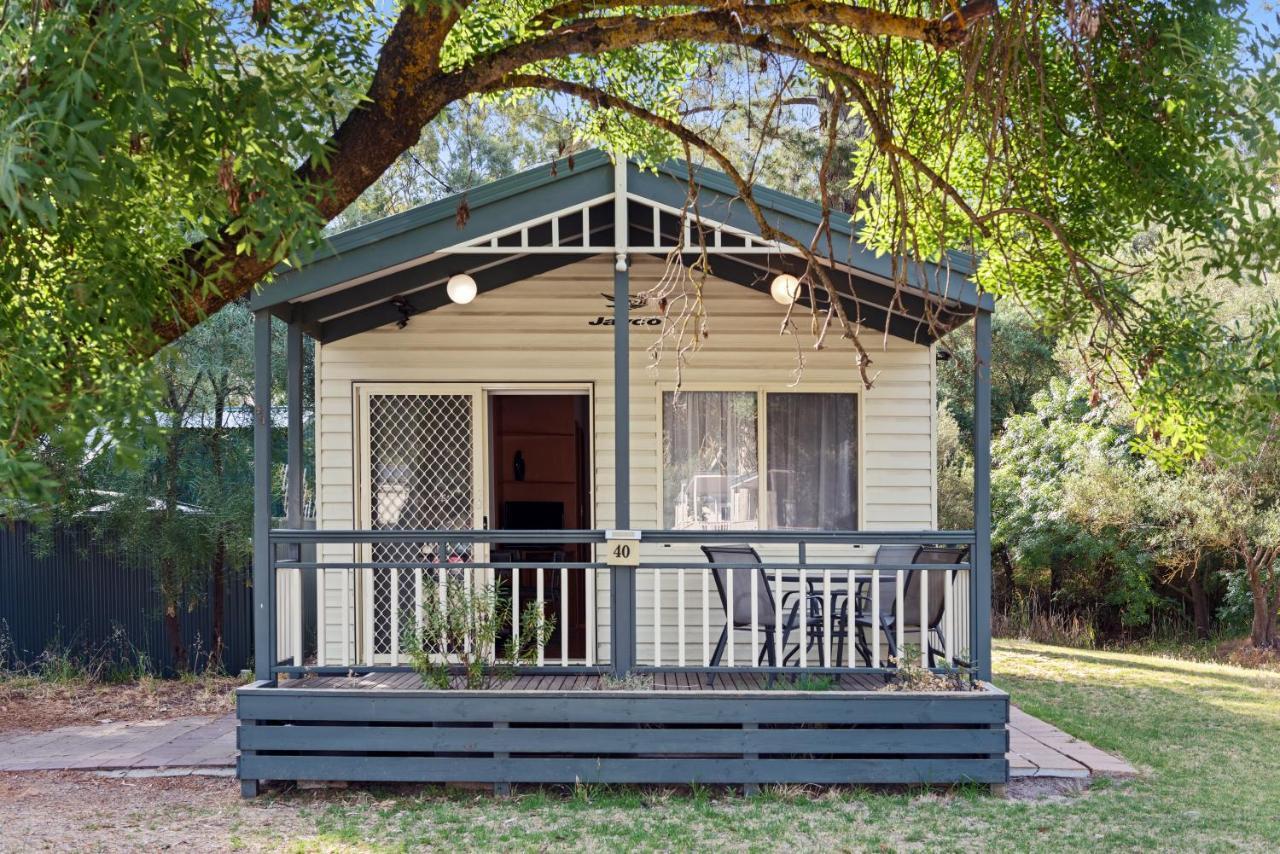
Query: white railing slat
(395,616)
(875,618)
(589,580)
(755,616)
(899,615)
(706,618)
(947,617)
(680,618)
(777,615)
(542,610)
(803,598)
(657,618)
(826,618)
(442,591)
(923,584)
(564,617)
(514,652)
(728,617)
(348,614)
(850,618)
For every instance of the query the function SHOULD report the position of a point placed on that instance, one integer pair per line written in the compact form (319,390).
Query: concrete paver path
(208,745)
(1038,749)
(191,743)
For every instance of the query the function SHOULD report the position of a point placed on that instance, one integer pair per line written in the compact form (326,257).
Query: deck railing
(826,588)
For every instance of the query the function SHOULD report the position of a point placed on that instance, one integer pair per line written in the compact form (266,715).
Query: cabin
(713,564)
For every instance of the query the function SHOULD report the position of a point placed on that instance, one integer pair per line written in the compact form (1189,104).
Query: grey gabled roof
(345,284)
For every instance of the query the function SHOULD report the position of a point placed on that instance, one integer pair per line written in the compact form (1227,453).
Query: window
(712,459)
(813,461)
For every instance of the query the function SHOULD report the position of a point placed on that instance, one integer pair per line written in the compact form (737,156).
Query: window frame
(762,391)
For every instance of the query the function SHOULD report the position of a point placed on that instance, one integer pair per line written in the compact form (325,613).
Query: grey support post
(293,396)
(263,642)
(981,558)
(622,587)
(293,486)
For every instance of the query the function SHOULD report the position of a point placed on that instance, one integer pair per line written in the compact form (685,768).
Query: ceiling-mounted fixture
(785,289)
(461,288)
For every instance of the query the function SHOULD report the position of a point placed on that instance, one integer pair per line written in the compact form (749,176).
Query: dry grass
(30,703)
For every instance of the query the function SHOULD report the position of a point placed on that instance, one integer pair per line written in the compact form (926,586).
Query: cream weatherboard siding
(539,331)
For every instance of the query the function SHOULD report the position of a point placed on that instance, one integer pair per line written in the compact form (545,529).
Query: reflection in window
(710,465)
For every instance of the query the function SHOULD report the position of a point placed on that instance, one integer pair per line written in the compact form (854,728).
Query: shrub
(457,628)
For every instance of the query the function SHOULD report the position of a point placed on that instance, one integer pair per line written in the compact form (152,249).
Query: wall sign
(636,302)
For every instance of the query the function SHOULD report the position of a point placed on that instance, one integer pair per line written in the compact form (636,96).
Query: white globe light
(785,289)
(461,288)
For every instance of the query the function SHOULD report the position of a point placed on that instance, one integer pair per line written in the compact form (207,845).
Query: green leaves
(1088,156)
(116,121)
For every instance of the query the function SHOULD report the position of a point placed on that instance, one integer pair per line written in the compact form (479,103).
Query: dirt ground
(32,704)
(66,811)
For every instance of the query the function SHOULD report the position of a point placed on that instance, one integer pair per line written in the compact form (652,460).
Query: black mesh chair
(739,615)
(910,612)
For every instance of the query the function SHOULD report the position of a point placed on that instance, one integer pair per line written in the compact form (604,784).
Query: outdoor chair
(739,616)
(910,611)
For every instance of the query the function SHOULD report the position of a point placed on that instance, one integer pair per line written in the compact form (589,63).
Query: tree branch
(607,100)
(410,88)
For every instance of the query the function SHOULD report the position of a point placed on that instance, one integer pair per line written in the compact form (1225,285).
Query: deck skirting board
(665,770)
(599,707)
(622,737)
(612,740)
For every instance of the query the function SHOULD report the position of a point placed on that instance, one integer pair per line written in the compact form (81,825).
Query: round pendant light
(461,288)
(785,289)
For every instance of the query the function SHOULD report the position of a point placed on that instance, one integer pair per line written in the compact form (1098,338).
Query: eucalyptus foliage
(158,158)
(1043,460)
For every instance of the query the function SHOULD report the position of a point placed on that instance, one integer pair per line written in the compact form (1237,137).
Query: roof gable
(555,214)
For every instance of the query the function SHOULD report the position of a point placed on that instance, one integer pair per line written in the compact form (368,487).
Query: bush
(458,628)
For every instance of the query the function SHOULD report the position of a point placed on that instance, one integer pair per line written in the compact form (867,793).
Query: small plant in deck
(913,676)
(457,628)
(630,682)
(803,682)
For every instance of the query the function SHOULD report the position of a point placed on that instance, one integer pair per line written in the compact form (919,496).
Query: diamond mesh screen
(420,479)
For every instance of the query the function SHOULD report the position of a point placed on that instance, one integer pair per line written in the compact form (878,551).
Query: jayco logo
(635,303)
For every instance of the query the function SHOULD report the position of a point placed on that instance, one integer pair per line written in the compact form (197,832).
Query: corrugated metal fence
(76,592)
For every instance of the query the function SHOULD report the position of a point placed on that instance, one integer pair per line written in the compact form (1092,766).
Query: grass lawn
(1206,738)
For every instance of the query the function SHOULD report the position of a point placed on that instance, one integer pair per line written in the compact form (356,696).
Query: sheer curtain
(812,454)
(710,471)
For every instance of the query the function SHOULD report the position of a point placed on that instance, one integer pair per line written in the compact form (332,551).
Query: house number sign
(622,548)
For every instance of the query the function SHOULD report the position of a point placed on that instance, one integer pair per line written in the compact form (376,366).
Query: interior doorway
(540,472)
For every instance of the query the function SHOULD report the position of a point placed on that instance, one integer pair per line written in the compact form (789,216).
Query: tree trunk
(1199,602)
(169,584)
(1263,630)
(1003,593)
(172,625)
(219,587)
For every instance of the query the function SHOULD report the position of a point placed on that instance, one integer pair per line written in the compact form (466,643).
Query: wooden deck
(724,682)
(578,728)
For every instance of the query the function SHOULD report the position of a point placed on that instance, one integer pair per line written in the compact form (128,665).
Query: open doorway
(541,480)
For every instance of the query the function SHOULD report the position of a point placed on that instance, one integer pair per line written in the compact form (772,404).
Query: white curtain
(812,454)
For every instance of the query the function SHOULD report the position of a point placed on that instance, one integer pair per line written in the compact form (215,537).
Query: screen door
(421,471)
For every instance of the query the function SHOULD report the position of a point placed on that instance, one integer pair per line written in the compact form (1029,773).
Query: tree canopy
(158,158)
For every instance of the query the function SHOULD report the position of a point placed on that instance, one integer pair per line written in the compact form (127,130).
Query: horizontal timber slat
(578,740)
(780,707)
(609,770)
